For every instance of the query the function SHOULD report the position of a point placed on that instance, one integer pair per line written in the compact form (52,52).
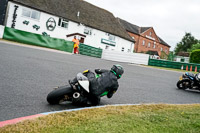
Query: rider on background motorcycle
(108,81)
(198,77)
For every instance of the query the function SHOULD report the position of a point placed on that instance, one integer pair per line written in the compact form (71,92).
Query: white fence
(136,58)
(1,31)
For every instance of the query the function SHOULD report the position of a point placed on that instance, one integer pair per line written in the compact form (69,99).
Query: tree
(186,43)
(171,56)
(195,56)
(194,47)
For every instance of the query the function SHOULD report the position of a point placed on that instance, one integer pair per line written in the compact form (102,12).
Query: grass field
(159,118)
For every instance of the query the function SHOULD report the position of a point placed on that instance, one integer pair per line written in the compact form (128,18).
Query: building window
(63,23)
(154,45)
(111,37)
(143,42)
(161,49)
(26,13)
(150,33)
(122,49)
(149,44)
(35,15)
(31,13)
(88,31)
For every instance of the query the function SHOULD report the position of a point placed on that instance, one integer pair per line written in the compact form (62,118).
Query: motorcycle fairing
(83,81)
(84,84)
(190,75)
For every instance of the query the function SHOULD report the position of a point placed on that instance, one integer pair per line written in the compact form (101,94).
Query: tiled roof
(90,15)
(137,30)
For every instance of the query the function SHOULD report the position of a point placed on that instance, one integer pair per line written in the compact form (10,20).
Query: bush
(195,56)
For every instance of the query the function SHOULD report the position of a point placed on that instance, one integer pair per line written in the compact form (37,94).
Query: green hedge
(195,56)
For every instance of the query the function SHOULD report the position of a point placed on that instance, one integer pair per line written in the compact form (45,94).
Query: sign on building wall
(14,16)
(51,24)
(108,42)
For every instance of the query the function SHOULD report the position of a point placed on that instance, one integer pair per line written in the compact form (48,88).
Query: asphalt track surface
(27,75)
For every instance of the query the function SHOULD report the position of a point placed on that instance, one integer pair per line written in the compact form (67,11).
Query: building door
(82,40)
(3,5)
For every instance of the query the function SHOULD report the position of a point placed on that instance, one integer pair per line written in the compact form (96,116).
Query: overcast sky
(169,18)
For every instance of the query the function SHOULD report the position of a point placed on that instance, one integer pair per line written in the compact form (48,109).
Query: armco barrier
(90,51)
(173,64)
(38,40)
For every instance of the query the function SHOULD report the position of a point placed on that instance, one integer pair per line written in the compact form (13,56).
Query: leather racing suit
(107,81)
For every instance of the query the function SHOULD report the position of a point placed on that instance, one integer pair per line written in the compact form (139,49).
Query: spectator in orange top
(76,45)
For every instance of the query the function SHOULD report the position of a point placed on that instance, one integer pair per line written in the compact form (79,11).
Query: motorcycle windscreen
(85,85)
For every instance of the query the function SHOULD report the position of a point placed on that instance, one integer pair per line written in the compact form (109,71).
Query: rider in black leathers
(108,81)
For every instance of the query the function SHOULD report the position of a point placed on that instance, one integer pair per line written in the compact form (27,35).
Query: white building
(93,26)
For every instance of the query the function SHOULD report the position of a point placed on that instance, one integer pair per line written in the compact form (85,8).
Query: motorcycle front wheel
(181,84)
(59,94)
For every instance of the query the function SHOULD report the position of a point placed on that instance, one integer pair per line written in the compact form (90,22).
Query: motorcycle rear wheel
(57,95)
(181,84)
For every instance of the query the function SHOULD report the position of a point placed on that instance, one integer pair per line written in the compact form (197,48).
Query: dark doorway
(82,40)
(3,7)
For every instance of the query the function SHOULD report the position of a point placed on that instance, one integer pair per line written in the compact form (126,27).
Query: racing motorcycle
(189,81)
(72,92)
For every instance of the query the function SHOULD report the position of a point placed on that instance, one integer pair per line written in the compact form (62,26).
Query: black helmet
(117,70)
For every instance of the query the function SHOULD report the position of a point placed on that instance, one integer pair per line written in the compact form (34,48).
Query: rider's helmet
(198,77)
(117,70)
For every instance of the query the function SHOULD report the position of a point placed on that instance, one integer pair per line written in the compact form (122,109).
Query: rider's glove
(110,94)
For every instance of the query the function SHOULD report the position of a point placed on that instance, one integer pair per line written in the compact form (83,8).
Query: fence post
(182,67)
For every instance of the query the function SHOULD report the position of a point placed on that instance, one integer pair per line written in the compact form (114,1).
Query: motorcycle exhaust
(76,95)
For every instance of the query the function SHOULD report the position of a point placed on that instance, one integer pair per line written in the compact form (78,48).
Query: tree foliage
(195,56)
(186,43)
(194,47)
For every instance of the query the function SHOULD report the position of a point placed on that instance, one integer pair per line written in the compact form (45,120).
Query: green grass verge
(159,118)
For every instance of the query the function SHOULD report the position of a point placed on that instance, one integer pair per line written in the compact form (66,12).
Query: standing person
(76,45)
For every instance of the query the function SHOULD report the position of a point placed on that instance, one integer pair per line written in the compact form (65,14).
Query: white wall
(1,31)
(136,58)
(59,32)
(178,59)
